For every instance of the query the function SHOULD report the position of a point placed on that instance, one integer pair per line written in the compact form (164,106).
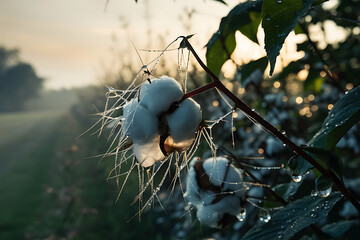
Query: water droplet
(296,178)
(284,144)
(242,214)
(346,92)
(280,35)
(111,89)
(283,132)
(313,214)
(332,115)
(289,221)
(278,1)
(325,193)
(327,205)
(314,193)
(276,26)
(264,216)
(327,124)
(267,18)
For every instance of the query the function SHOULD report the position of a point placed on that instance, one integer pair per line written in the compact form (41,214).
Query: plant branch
(253,115)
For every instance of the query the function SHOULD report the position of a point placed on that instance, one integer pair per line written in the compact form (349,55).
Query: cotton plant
(160,123)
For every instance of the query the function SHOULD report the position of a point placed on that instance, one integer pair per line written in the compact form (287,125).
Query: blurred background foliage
(54,187)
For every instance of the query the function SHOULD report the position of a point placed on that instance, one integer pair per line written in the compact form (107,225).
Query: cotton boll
(216,170)
(214,208)
(140,124)
(158,95)
(148,153)
(208,217)
(183,124)
(213,214)
(192,194)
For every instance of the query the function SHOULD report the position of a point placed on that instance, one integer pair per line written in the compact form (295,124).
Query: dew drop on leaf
(314,193)
(264,216)
(276,26)
(327,205)
(267,18)
(313,214)
(242,214)
(325,193)
(278,1)
(296,178)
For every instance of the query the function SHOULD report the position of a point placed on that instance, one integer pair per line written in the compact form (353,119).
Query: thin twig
(334,80)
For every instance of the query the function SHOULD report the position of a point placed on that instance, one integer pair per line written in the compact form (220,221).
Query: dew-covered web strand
(141,192)
(126,178)
(157,189)
(181,62)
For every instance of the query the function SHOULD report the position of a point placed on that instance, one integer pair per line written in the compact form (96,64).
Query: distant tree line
(18,81)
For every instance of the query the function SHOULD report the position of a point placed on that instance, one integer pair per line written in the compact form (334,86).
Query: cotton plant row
(160,121)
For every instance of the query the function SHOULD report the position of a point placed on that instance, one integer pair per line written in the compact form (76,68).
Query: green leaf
(287,190)
(253,66)
(219,50)
(344,114)
(328,160)
(299,166)
(339,229)
(279,17)
(244,17)
(295,216)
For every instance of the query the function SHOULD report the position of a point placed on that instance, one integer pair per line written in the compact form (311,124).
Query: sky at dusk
(66,40)
(69,41)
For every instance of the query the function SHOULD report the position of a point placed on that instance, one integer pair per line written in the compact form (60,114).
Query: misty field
(51,185)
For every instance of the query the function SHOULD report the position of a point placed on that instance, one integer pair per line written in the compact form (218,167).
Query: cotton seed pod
(215,188)
(158,95)
(183,124)
(140,124)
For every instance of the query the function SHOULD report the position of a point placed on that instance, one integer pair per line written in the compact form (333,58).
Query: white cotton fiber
(148,153)
(184,121)
(158,95)
(215,168)
(210,212)
(140,124)
(207,216)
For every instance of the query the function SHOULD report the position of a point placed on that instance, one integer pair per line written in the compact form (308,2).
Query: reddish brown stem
(199,90)
(253,115)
